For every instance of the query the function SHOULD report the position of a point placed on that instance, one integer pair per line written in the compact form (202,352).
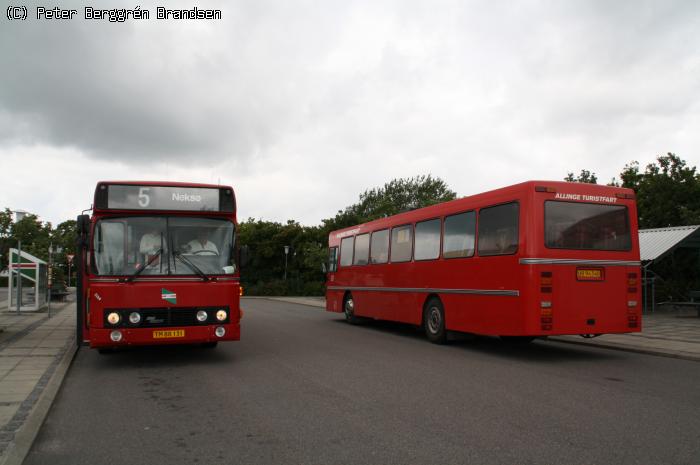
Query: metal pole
(48,302)
(286,253)
(19,275)
(69,262)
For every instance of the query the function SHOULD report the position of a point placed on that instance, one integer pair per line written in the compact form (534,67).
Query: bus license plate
(166,334)
(590,274)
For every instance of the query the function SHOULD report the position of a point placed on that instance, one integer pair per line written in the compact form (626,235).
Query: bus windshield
(586,226)
(158,245)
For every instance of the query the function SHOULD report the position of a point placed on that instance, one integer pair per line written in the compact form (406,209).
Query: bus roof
(495,196)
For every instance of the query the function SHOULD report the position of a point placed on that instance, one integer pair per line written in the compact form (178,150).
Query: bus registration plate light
(169,333)
(590,274)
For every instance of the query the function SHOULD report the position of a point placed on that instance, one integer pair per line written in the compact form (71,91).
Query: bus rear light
(631,290)
(546,281)
(546,312)
(114,318)
(115,336)
(241,291)
(134,318)
(220,331)
(632,321)
(546,290)
(632,281)
(545,189)
(546,304)
(221,315)
(546,320)
(631,303)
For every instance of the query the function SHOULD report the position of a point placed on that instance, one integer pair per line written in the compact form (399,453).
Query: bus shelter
(33,273)
(658,244)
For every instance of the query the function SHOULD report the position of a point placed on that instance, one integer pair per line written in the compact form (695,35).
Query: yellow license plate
(590,274)
(165,334)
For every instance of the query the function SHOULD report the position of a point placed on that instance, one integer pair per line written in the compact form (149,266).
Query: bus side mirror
(83,224)
(244,256)
(324,268)
(83,229)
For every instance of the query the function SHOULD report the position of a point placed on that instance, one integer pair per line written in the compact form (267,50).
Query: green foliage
(394,197)
(585,177)
(264,275)
(668,192)
(36,237)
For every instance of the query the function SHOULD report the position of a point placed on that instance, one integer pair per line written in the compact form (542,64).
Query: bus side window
(361,249)
(401,243)
(333,259)
(379,250)
(346,246)
(498,230)
(460,233)
(427,240)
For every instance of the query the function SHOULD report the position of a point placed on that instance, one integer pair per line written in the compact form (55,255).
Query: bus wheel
(517,340)
(434,322)
(349,310)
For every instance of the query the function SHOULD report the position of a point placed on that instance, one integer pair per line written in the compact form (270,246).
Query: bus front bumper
(104,337)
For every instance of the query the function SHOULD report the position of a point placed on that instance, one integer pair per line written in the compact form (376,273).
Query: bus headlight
(201,316)
(220,331)
(115,336)
(221,315)
(114,318)
(134,318)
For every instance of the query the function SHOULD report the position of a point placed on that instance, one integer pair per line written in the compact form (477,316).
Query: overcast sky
(302,105)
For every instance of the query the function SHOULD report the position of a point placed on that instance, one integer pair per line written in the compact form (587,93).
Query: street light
(286,253)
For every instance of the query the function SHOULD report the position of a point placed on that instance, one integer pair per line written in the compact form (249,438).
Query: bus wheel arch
(434,320)
(349,308)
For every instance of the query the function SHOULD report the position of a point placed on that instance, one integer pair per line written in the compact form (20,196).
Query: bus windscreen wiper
(140,270)
(190,265)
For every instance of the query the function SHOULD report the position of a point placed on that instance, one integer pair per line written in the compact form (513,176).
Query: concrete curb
(24,437)
(565,339)
(636,349)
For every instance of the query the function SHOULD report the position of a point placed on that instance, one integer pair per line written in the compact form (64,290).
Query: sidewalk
(664,334)
(35,352)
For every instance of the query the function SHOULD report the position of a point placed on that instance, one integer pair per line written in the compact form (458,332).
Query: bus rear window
(586,226)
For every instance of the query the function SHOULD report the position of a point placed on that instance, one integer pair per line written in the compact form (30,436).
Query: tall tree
(668,192)
(585,177)
(394,197)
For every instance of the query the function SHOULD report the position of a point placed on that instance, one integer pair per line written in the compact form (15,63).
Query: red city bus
(157,264)
(531,260)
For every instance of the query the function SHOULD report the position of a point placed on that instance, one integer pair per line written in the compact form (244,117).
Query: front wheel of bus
(434,322)
(349,310)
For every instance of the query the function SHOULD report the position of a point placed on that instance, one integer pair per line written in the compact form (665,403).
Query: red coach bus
(531,260)
(157,265)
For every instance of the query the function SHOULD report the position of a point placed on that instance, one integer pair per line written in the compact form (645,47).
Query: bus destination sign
(130,197)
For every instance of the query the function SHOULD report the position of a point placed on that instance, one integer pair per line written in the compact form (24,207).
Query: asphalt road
(304,387)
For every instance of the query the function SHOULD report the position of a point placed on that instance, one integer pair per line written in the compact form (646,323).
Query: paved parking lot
(304,387)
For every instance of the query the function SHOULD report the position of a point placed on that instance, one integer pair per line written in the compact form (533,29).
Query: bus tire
(349,310)
(434,321)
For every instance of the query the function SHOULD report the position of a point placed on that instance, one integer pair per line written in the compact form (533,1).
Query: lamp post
(18,272)
(286,253)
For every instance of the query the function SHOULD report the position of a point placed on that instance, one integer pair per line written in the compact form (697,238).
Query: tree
(585,177)
(308,244)
(668,192)
(396,196)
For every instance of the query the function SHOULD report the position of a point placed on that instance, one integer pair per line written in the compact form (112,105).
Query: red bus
(530,260)
(157,264)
